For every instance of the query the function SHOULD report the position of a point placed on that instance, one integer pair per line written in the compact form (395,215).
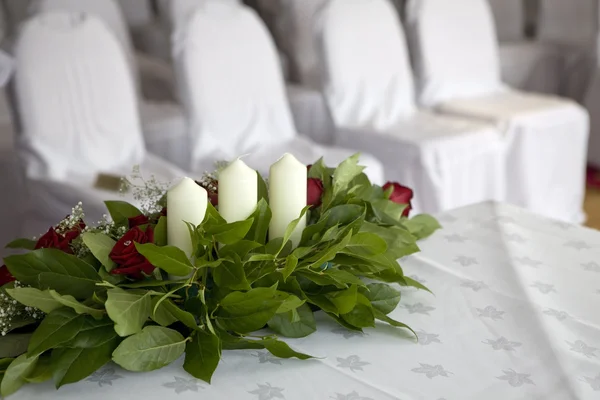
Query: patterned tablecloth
(516,315)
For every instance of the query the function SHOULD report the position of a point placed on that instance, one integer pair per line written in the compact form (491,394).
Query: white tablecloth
(514,316)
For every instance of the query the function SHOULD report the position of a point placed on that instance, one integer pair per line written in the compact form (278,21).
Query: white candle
(287,196)
(238,191)
(186,202)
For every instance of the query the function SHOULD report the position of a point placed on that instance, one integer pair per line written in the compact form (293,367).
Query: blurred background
(463,101)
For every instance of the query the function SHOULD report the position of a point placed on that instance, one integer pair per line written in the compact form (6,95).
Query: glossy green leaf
(260,225)
(71,302)
(284,325)
(362,315)
(399,241)
(366,244)
(263,190)
(15,375)
(382,317)
(36,298)
(14,344)
(345,173)
(291,262)
(290,302)
(54,269)
(247,312)
(160,232)
(24,244)
(100,245)
(93,333)
(422,226)
(282,350)
(230,233)
(168,313)
(289,230)
(128,310)
(42,371)
(153,348)
(170,259)
(383,297)
(230,275)
(202,356)
(241,249)
(344,300)
(121,211)
(58,327)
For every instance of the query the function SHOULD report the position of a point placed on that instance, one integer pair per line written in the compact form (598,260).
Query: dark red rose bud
(314,192)
(137,221)
(5,276)
(401,195)
(53,240)
(129,261)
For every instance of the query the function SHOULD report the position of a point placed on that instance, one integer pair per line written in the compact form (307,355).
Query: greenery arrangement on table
(117,291)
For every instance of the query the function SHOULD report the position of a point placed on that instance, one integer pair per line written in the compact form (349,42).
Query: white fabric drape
(448,161)
(546,137)
(78,109)
(234,93)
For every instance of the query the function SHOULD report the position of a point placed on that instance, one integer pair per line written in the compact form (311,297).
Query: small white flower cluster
(10,310)
(148,192)
(72,220)
(208,181)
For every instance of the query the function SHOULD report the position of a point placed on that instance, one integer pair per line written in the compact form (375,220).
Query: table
(514,316)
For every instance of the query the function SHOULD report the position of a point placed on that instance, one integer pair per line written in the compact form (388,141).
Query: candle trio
(238,197)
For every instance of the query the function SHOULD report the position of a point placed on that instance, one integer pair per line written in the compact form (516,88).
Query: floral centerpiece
(122,291)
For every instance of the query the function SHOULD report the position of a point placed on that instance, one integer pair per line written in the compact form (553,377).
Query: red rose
(212,188)
(314,191)
(137,221)
(130,262)
(163,212)
(54,240)
(401,195)
(5,276)
(75,231)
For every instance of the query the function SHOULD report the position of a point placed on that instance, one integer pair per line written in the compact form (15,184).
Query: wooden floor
(592,208)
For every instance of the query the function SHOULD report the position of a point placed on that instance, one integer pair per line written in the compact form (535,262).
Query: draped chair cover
(368,84)
(233,90)
(78,112)
(458,70)
(163,121)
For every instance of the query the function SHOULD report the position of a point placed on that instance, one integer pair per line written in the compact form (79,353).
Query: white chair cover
(546,137)
(449,162)
(78,110)
(509,16)
(164,127)
(234,93)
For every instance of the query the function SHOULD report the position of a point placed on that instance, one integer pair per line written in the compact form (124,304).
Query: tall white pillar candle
(238,191)
(186,202)
(287,196)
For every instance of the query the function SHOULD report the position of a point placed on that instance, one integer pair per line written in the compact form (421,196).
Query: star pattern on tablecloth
(578,245)
(181,385)
(426,339)
(515,238)
(466,261)
(491,312)
(431,371)
(591,267)
(544,288)
(503,343)
(593,382)
(104,376)
(456,238)
(350,396)
(419,308)
(347,333)
(476,286)
(266,357)
(353,363)
(268,392)
(515,379)
(528,262)
(579,346)
(559,315)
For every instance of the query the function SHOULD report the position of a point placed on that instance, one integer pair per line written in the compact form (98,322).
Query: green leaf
(15,375)
(400,242)
(263,190)
(202,356)
(291,228)
(249,311)
(128,310)
(168,258)
(329,252)
(282,350)
(344,300)
(291,262)
(42,371)
(168,313)
(382,317)
(241,249)
(260,226)
(153,348)
(345,173)
(366,244)
(333,276)
(388,211)
(111,278)
(100,245)
(93,333)
(58,327)
(54,269)
(230,275)
(422,226)
(230,233)
(121,211)
(34,298)
(15,344)
(25,244)
(411,282)
(290,302)
(74,365)
(160,232)
(304,326)
(343,215)
(383,297)
(362,315)
(69,301)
